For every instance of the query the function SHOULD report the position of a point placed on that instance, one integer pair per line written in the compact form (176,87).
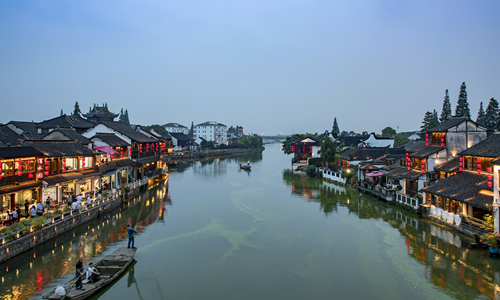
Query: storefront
(9,200)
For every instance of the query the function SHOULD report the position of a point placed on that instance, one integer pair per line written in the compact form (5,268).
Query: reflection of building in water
(210,167)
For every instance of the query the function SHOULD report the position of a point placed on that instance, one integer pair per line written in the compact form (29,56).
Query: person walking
(79,273)
(130,232)
(27,208)
(40,208)
(33,211)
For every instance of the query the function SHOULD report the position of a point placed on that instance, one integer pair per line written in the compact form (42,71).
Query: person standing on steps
(130,232)
(79,274)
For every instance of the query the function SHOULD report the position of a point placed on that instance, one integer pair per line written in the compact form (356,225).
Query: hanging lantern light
(30,175)
(39,175)
(20,167)
(20,161)
(19,174)
(489,169)
(46,173)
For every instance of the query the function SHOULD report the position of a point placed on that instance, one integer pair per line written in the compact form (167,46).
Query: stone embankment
(48,232)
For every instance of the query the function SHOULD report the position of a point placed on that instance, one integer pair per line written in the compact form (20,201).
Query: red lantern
(64,170)
(479,171)
(489,177)
(46,162)
(407,154)
(489,169)
(0,176)
(20,168)
(30,175)
(426,135)
(490,184)
(1,170)
(39,175)
(19,174)
(46,173)
(460,169)
(311,149)
(460,158)
(478,160)
(408,168)
(46,168)
(423,171)
(460,163)
(64,160)
(304,149)
(83,158)
(83,168)
(20,162)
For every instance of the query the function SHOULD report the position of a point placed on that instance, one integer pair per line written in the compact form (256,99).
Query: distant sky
(270,66)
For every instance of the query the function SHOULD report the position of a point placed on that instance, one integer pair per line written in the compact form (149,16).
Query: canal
(218,232)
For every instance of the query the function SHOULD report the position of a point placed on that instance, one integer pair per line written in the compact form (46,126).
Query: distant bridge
(267,139)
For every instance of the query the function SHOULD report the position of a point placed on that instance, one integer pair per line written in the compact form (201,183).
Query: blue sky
(271,66)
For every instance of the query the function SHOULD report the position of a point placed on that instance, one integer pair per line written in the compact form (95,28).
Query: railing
(413,202)
(332,175)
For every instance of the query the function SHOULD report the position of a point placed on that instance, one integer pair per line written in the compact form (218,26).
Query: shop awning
(55,179)
(124,162)
(21,187)
(147,160)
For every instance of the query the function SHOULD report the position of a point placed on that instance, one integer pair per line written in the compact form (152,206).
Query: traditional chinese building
(100,113)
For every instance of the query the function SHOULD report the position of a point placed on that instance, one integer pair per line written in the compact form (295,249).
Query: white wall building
(211,131)
(176,128)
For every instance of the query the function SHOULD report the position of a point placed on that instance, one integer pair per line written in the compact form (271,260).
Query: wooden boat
(110,268)
(245,167)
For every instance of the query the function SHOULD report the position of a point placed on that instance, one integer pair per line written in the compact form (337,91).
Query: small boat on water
(110,268)
(245,167)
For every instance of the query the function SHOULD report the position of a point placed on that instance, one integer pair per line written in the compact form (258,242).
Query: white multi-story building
(176,128)
(211,131)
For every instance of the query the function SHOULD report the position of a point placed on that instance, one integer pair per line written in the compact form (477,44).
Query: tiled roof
(426,151)
(174,125)
(489,147)
(211,123)
(449,166)
(72,135)
(60,148)
(18,152)
(129,132)
(8,136)
(66,121)
(367,153)
(111,139)
(450,123)
(27,127)
(180,136)
(401,172)
(462,187)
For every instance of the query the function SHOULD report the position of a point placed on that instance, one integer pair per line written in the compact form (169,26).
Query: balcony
(377,191)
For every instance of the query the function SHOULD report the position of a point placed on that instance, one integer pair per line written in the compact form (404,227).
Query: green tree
(287,144)
(244,142)
(492,114)
(191,131)
(255,141)
(446,112)
(76,110)
(480,115)
(335,128)
(344,133)
(388,132)
(427,122)
(400,140)
(158,128)
(329,148)
(462,109)
(435,120)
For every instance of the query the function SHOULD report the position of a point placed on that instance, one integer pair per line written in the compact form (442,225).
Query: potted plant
(493,244)
(477,237)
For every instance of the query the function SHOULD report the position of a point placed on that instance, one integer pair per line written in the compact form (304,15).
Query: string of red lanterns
(460,164)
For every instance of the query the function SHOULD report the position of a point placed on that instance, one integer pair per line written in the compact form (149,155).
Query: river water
(217,232)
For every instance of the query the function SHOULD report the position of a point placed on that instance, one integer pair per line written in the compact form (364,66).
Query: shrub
(311,170)
(66,208)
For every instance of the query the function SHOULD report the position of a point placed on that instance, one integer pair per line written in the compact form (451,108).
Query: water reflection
(449,262)
(214,166)
(53,262)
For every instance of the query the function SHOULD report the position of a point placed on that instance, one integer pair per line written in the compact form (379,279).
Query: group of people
(75,202)
(14,215)
(92,273)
